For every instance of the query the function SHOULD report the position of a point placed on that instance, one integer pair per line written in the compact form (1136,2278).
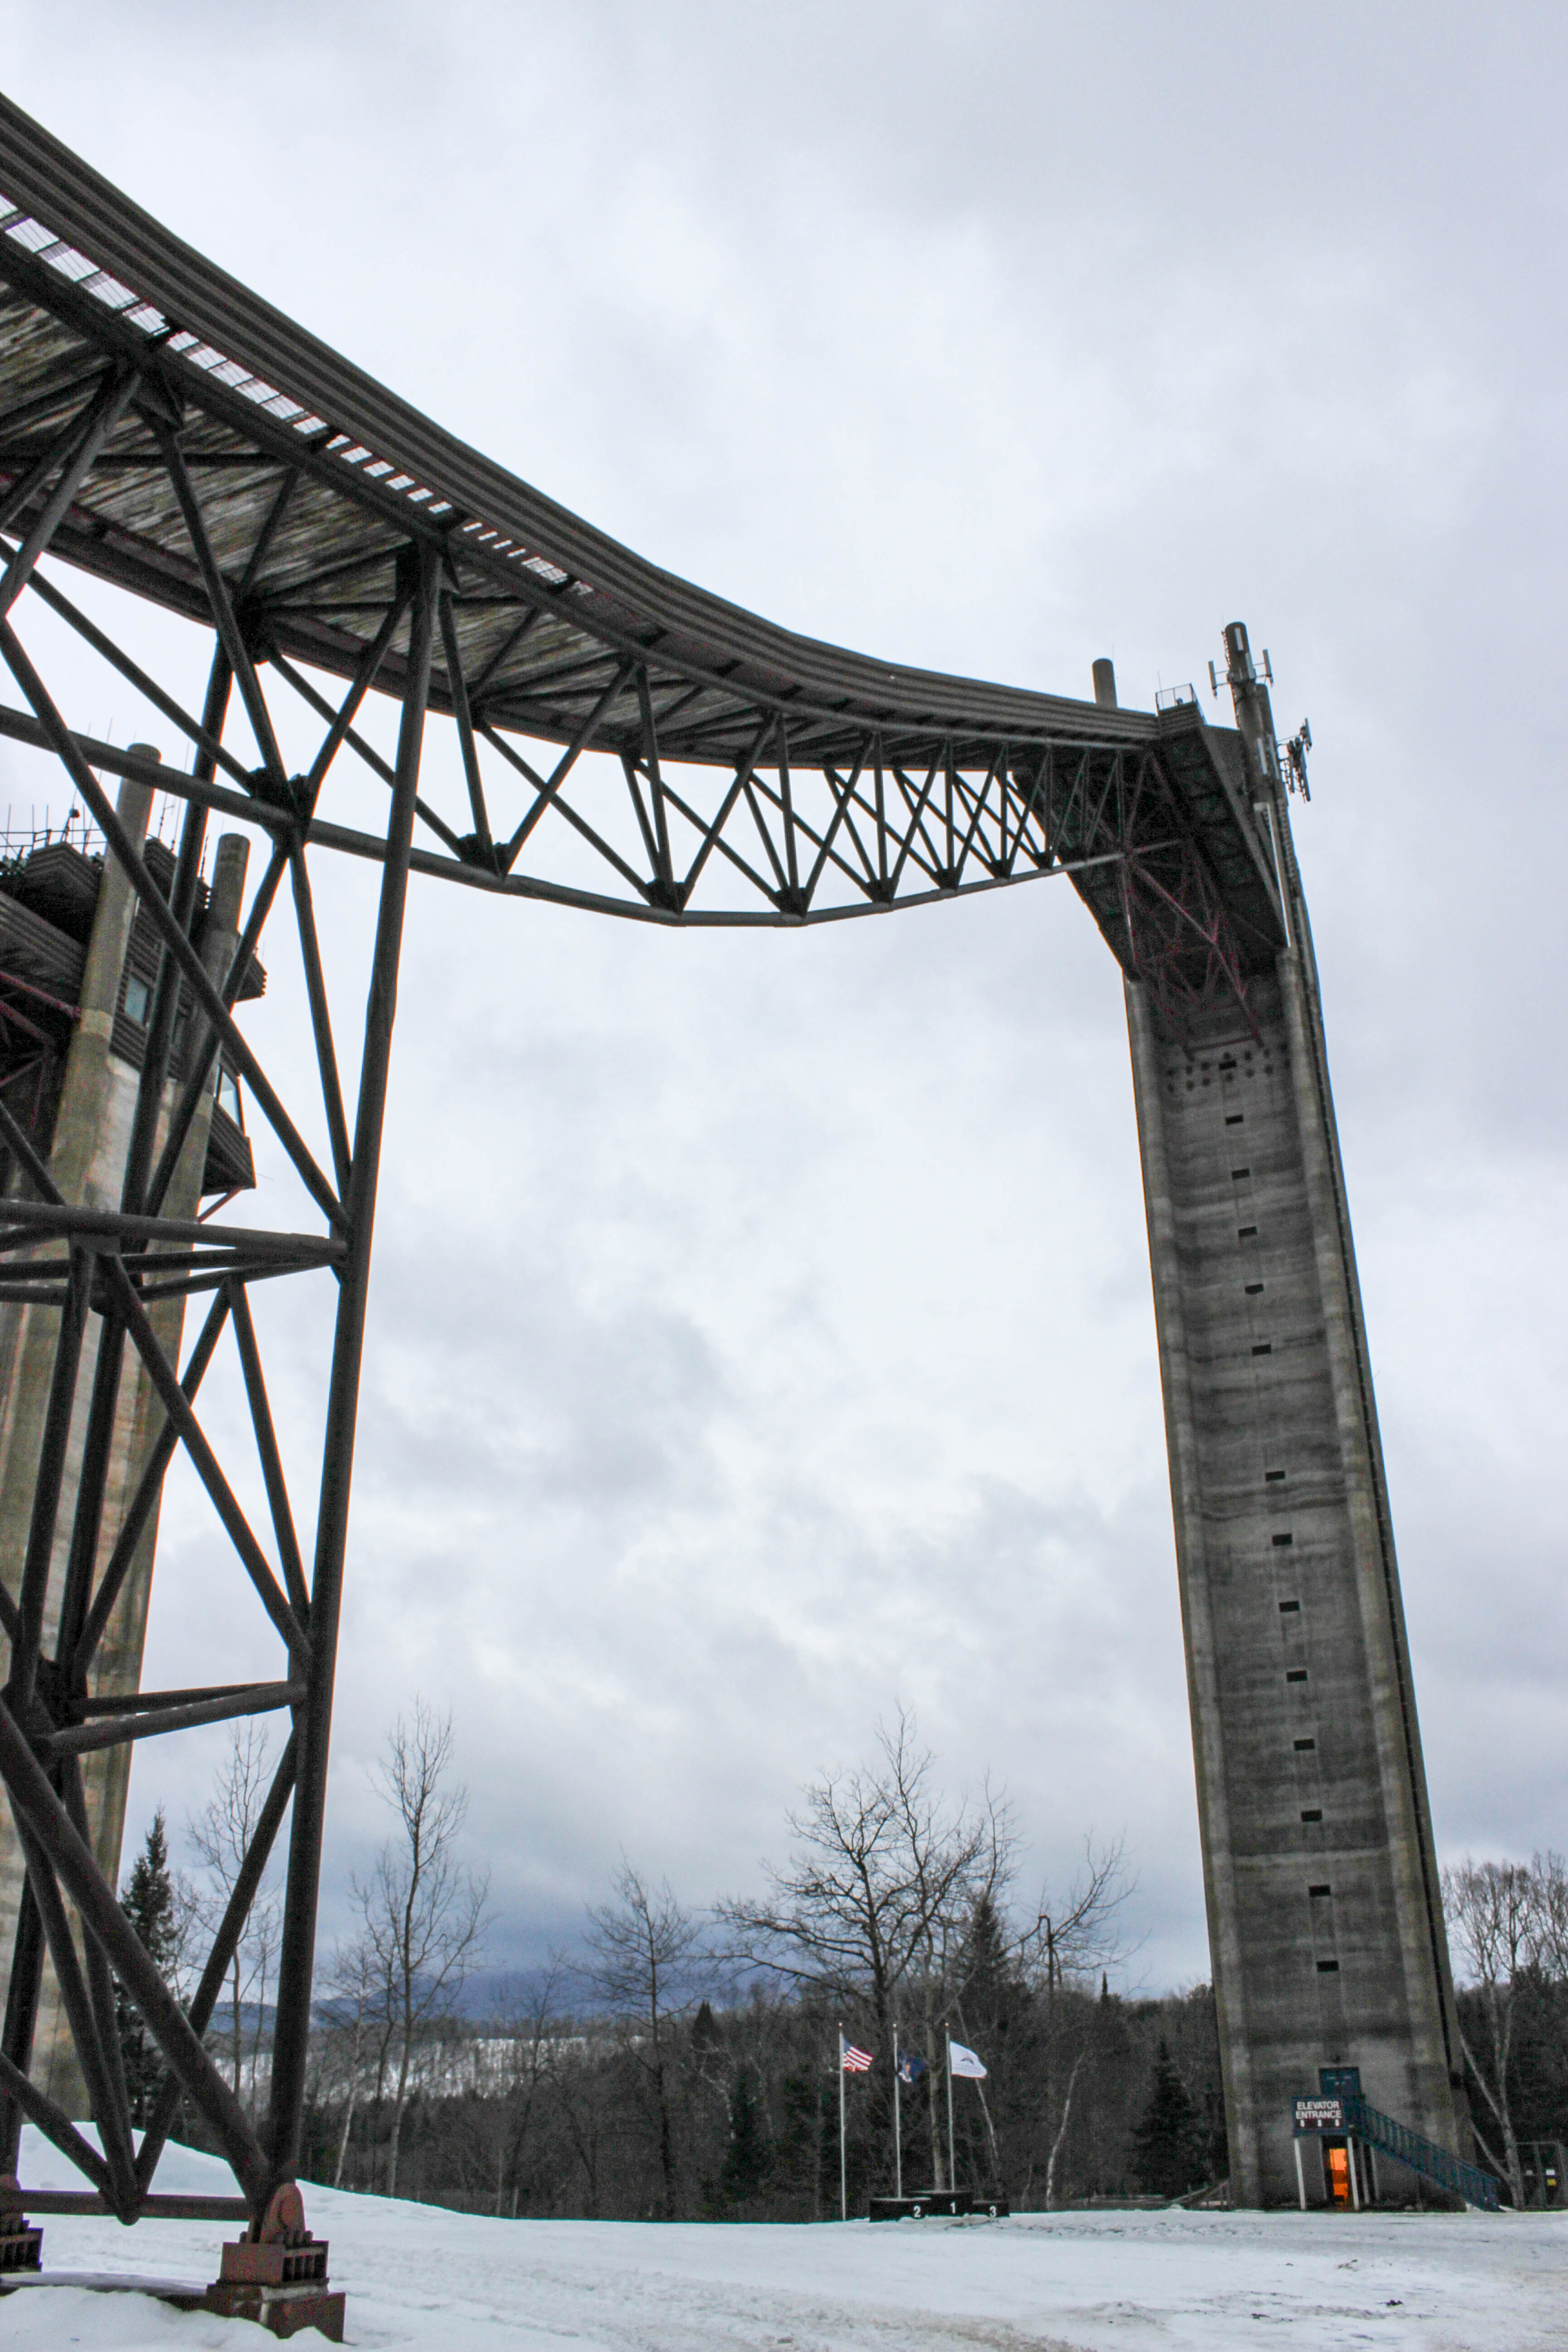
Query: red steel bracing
(1177,932)
(1162,923)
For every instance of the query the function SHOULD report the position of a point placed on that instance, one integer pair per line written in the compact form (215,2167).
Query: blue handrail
(1422,2156)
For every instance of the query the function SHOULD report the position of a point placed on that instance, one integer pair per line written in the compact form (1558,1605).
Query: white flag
(965,2062)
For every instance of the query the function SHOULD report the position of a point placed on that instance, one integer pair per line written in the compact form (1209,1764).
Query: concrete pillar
(91,1131)
(1325,1926)
(92,1126)
(87,1158)
(118,1666)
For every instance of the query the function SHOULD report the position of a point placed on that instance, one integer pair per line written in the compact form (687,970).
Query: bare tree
(1549,1938)
(1062,2133)
(1025,1987)
(647,1959)
(220,1837)
(514,2054)
(583,2102)
(885,1871)
(1494,1916)
(958,1859)
(1077,1931)
(355,2018)
(424,1911)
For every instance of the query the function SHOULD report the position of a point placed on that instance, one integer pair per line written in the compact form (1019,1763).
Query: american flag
(854,2060)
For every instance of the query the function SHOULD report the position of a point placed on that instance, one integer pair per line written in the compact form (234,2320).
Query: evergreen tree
(987,1980)
(748,2161)
(1166,2145)
(805,2161)
(705,2034)
(149,1904)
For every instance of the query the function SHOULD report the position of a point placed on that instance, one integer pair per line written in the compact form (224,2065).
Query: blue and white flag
(965,2062)
(911,2066)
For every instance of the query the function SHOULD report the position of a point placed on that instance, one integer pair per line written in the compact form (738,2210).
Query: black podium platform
(939,2204)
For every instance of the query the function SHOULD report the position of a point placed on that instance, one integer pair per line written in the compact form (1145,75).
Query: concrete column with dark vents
(87,1150)
(1325,1923)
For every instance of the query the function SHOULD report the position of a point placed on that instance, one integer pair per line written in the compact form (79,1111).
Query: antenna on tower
(1295,751)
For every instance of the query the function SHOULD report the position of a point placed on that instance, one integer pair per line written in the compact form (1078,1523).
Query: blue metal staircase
(1422,2156)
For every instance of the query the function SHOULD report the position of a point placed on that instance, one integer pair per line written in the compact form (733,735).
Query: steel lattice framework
(629,745)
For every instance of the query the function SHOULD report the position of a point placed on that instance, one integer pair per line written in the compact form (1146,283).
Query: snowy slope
(421,2278)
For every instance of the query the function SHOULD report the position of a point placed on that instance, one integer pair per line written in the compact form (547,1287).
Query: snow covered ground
(428,2280)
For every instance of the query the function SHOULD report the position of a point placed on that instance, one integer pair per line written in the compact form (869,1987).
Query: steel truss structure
(627,745)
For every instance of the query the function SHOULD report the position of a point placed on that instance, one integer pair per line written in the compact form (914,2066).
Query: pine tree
(748,2161)
(987,1980)
(149,1904)
(705,2033)
(805,2157)
(1166,2157)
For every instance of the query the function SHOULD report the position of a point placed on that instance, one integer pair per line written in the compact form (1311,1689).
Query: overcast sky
(761,1328)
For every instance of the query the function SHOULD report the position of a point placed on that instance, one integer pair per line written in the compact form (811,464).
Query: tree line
(1507,1932)
(685,2065)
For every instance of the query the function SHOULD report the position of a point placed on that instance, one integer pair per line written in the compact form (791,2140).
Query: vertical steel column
(313,1719)
(28,1645)
(21,2016)
(28,1953)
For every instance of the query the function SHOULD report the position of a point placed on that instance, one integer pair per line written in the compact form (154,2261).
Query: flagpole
(898,2125)
(951,2170)
(843,2165)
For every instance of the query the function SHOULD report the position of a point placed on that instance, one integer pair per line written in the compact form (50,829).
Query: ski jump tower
(1325,1919)
(167,435)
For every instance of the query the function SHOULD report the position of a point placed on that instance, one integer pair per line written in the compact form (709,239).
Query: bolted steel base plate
(285,2310)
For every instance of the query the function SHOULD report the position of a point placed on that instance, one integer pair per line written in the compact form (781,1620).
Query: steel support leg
(21,2016)
(29,1947)
(313,1719)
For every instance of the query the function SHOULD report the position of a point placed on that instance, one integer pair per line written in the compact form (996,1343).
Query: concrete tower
(80,974)
(1325,1923)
